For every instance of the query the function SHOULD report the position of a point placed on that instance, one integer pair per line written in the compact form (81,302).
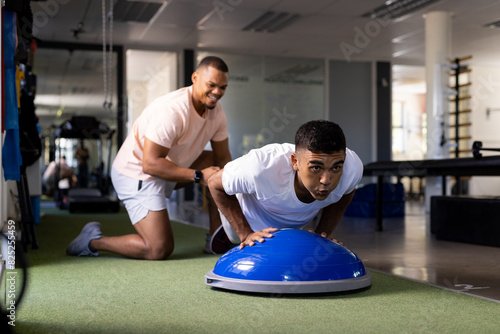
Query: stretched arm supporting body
(231,209)
(332,214)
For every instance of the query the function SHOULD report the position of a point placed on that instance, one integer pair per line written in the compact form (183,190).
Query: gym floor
(405,248)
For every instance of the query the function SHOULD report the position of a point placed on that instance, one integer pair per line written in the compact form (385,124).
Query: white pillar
(437,54)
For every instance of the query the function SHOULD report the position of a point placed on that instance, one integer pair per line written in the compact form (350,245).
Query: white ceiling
(322,27)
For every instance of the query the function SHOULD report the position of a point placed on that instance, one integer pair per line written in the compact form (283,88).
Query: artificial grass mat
(111,294)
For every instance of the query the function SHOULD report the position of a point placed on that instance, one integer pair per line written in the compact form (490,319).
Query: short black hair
(214,62)
(320,136)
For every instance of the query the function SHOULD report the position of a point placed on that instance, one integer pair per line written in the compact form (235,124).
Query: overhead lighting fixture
(271,22)
(393,9)
(135,11)
(493,25)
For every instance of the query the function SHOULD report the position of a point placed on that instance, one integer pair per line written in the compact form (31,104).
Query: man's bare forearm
(332,215)
(229,206)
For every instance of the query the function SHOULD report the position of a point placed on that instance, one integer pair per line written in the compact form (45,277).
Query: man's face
(209,85)
(318,174)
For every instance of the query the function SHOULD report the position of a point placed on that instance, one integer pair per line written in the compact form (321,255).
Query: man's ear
(295,162)
(194,76)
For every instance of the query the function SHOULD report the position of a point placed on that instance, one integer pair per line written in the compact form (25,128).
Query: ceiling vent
(271,22)
(135,11)
(393,9)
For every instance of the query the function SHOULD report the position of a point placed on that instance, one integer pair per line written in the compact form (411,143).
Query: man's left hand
(324,235)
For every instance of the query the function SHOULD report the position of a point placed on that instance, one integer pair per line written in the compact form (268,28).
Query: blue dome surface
(291,256)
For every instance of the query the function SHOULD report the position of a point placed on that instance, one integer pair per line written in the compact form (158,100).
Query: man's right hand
(207,173)
(258,236)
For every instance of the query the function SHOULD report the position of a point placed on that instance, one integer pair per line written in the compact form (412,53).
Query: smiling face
(318,174)
(209,85)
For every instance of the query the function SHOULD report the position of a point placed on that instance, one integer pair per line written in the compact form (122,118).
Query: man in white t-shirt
(163,152)
(288,186)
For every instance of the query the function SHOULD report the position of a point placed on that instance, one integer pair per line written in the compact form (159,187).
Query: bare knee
(156,234)
(159,252)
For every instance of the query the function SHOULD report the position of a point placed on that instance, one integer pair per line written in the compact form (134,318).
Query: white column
(437,54)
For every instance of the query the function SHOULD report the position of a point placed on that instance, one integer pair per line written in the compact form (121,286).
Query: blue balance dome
(293,261)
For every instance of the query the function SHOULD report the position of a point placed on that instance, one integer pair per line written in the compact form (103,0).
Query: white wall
(486,94)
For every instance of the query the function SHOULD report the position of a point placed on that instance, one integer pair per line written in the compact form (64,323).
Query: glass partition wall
(150,74)
(268,98)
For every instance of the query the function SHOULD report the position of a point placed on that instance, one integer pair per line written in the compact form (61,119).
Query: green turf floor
(110,294)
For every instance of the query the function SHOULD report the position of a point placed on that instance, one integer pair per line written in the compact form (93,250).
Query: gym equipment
(363,203)
(477,146)
(484,166)
(96,198)
(292,261)
(468,219)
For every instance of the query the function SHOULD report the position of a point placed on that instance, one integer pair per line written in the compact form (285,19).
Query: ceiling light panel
(271,22)
(135,11)
(393,9)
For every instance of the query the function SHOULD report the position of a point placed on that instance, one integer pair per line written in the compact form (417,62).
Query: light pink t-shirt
(171,121)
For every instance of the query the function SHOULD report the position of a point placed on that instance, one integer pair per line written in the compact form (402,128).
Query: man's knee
(159,251)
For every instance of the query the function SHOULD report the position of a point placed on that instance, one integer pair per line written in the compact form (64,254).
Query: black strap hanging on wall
(24,28)
(107,53)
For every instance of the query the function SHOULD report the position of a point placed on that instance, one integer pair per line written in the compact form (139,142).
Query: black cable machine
(99,197)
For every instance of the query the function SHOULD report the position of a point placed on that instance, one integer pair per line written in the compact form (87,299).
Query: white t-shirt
(263,182)
(171,121)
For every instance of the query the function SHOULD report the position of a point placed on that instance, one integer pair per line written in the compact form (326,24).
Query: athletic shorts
(140,197)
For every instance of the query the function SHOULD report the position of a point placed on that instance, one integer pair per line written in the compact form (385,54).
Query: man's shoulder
(353,166)
(270,154)
(270,159)
(180,95)
(168,106)
(276,149)
(353,159)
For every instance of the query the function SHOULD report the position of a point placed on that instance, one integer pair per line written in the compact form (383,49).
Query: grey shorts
(140,197)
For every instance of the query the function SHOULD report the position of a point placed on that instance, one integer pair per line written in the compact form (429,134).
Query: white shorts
(140,197)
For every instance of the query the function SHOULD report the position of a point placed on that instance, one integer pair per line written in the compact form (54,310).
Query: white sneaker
(80,246)
(218,243)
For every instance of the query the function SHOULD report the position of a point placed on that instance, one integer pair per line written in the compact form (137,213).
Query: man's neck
(199,107)
(301,192)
